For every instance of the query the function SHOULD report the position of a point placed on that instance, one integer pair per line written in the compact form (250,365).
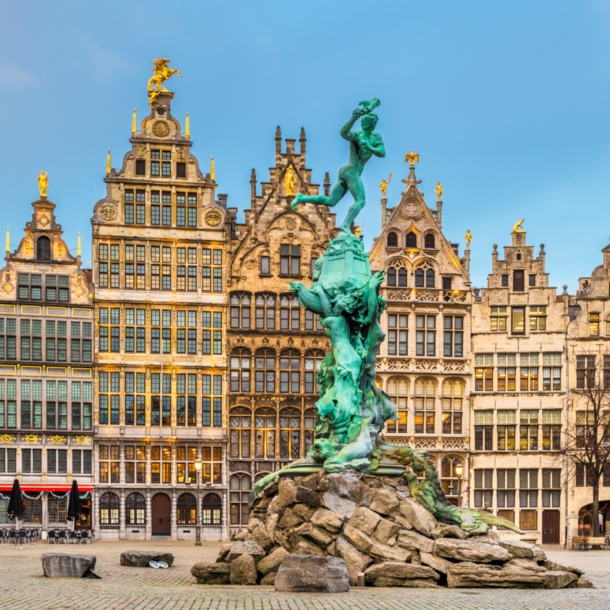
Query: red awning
(46,487)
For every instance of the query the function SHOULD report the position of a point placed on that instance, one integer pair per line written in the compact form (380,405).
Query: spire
(134,123)
(327,184)
(187,130)
(108,168)
(253,184)
(212,169)
(78,248)
(303,141)
(8,240)
(278,141)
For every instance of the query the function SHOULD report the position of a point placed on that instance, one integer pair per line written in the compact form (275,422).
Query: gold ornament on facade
(383,185)
(438,189)
(43,183)
(412,158)
(57,439)
(31,438)
(468,238)
(82,440)
(7,438)
(160,129)
(518,228)
(161,73)
(213,218)
(290,181)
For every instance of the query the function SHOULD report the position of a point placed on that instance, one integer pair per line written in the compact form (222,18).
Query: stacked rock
(385,537)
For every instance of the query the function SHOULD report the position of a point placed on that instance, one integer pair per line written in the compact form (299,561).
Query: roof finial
(212,170)
(43,182)
(412,158)
(134,123)
(8,240)
(78,249)
(518,228)
(187,127)
(108,168)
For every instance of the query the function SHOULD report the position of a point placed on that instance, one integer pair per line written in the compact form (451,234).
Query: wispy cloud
(12,77)
(105,63)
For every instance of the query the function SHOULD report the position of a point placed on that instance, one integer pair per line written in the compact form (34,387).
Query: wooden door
(550,527)
(161,515)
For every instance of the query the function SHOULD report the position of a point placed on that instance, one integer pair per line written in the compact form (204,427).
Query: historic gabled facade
(275,346)
(424,363)
(160,263)
(518,394)
(46,372)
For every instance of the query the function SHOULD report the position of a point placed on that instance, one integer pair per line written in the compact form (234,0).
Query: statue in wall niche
(352,411)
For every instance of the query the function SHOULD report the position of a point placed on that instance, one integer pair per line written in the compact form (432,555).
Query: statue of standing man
(363,145)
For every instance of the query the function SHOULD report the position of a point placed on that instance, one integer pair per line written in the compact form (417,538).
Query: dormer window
(518,256)
(43,248)
(392,240)
(519,281)
(429,241)
(411,240)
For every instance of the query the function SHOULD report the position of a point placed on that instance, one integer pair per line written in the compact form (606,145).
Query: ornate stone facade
(424,364)
(46,372)
(275,346)
(160,263)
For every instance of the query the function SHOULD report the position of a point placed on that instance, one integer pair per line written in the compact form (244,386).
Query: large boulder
(355,561)
(319,536)
(385,501)
(358,538)
(208,573)
(310,573)
(365,520)
(272,562)
(327,519)
(339,505)
(65,565)
(247,547)
(551,565)
(470,551)
(436,563)
(383,552)
(558,580)
(414,541)
(243,571)
(386,531)
(468,574)
(420,518)
(401,571)
(518,549)
(141,559)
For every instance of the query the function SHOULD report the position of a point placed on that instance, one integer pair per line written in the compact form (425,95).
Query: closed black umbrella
(15,503)
(75,509)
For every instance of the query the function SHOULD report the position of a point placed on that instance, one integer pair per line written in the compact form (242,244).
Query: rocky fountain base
(384,537)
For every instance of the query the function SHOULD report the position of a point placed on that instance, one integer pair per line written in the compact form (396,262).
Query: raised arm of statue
(346,129)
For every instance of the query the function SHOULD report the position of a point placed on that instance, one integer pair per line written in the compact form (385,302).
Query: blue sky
(507,104)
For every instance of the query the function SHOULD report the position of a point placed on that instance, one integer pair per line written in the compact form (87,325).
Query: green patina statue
(352,410)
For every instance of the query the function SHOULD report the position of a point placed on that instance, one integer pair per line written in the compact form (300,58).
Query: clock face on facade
(411,208)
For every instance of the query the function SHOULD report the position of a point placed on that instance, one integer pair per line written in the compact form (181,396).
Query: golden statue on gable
(383,185)
(468,238)
(161,73)
(43,182)
(518,228)
(439,188)
(290,181)
(412,158)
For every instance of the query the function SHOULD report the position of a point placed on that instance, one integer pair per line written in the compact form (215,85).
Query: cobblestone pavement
(23,586)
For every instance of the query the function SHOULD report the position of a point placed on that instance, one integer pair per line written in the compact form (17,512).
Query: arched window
(392,240)
(391,276)
(240,420)
(264,373)
(411,240)
(397,391)
(290,312)
(135,509)
(310,423)
(402,277)
(187,509)
(424,272)
(419,278)
(264,421)
(240,310)
(290,372)
(313,362)
(429,241)
(424,406)
(265,311)
(608,326)
(43,248)
(211,510)
(240,370)
(450,479)
(453,390)
(430,278)
(290,433)
(109,511)
(239,490)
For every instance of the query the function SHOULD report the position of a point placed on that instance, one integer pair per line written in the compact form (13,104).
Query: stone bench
(141,559)
(65,565)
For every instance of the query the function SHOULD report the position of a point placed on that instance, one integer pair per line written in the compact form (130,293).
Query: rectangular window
(483,487)
(594,324)
(538,317)
(528,420)
(425,344)
(290,259)
(551,487)
(506,487)
(585,372)
(506,430)
(507,372)
(518,281)
(453,336)
(398,335)
(483,373)
(497,318)
(528,488)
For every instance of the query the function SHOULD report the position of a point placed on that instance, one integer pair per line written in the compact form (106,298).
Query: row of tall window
(50,408)
(425,335)
(161,402)
(290,261)
(51,461)
(526,429)
(284,435)
(423,410)
(135,510)
(411,240)
(167,333)
(518,279)
(159,464)
(56,511)
(587,374)
(161,270)
(54,289)
(160,165)
(23,339)
(499,315)
(511,372)
(526,488)
(260,311)
(424,277)
(265,373)
(159,209)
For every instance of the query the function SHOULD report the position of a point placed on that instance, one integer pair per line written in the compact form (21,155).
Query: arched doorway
(585,519)
(161,515)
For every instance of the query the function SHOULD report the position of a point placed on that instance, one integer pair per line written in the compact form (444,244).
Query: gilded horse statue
(161,73)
